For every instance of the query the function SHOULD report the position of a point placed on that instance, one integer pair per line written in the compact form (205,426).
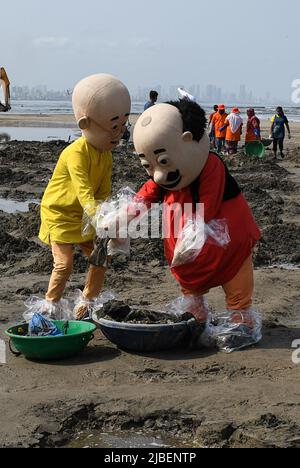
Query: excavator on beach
(5,84)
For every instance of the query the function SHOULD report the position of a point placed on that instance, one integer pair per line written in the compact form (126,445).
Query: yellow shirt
(81,178)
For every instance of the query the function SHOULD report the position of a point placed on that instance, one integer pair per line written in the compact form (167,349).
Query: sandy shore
(247,399)
(11,120)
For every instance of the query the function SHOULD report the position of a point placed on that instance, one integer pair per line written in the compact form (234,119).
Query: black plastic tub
(146,338)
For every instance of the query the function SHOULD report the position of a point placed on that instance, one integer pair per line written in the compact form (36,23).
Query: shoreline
(43,120)
(67,121)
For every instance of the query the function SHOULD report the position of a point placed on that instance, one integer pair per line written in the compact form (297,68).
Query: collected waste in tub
(43,339)
(143,329)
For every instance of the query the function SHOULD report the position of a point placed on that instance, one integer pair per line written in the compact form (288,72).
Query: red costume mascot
(173,147)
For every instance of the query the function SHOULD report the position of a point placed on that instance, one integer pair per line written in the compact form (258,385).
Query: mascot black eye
(163,161)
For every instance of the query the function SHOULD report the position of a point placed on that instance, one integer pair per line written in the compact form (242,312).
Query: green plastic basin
(52,348)
(256,149)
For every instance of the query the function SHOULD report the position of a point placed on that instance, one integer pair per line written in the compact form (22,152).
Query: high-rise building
(243,93)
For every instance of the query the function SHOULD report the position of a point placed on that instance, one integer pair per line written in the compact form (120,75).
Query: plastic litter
(85,309)
(196,306)
(233,330)
(195,235)
(50,310)
(40,326)
(112,219)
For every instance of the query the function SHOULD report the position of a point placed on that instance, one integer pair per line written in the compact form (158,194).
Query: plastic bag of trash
(118,247)
(51,310)
(195,235)
(114,216)
(112,219)
(39,325)
(84,309)
(233,331)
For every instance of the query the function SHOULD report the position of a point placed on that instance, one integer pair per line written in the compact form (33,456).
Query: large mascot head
(101,106)
(172,144)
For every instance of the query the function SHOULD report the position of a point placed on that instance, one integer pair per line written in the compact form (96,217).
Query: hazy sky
(223,42)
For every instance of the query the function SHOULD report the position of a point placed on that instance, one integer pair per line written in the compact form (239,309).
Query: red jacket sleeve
(149,193)
(212,186)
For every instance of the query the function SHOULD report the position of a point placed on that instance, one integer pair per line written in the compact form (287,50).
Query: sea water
(98,439)
(65,107)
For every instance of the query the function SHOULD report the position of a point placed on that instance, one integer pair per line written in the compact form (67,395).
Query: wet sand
(247,399)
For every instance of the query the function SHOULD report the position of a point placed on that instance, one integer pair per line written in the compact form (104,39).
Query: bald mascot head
(101,106)
(172,144)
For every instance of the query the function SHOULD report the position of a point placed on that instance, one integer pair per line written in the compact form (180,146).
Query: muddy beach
(247,399)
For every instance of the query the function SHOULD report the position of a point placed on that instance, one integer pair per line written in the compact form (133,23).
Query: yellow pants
(239,291)
(63,267)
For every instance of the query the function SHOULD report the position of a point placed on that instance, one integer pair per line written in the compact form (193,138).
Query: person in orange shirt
(233,126)
(253,127)
(218,122)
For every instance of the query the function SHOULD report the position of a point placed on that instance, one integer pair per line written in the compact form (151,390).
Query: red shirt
(252,124)
(214,266)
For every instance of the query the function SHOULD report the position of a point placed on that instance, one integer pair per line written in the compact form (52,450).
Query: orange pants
(63,267)
(239,291)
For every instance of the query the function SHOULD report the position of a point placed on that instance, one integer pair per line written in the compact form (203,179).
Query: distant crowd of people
(226,129)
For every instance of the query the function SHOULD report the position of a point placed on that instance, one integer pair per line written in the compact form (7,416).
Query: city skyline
(204,93)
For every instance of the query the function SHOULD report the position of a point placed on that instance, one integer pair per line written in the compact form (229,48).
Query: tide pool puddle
(38,134)
(95,439)
(12,206)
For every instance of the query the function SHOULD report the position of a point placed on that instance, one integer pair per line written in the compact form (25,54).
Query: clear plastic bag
(119,247)
(51,310)
(197,306)
(112,219)
(233,331)
(87,308)
(114,216)
(195,235)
